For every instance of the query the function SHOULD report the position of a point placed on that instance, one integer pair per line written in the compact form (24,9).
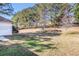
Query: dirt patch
(49,29)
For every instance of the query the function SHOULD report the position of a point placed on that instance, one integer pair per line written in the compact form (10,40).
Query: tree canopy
(6,8)
(40,13)
(76,11)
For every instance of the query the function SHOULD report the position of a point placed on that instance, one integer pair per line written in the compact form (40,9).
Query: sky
(18,7)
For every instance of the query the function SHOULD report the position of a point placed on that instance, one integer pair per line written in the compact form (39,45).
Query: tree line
(43,14)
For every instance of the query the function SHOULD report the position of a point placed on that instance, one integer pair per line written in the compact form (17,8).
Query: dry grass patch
(66,44)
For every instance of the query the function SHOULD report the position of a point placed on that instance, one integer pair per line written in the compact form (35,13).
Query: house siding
(5,28)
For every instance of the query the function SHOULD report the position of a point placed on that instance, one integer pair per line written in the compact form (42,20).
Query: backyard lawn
(41,44)
(24,46)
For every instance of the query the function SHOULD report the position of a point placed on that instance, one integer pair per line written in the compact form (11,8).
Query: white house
(5,26)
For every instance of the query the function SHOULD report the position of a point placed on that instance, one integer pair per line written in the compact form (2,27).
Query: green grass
(24,49)
(15,50)
(38,45)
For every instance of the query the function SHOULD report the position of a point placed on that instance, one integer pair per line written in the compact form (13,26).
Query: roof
(2,19)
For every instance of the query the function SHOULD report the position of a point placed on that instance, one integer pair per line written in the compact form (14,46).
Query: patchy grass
(30,47)
(38,46)
(59,45)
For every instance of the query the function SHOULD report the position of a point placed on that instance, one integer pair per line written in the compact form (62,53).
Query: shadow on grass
(42,47)
(15,50)
(42,33)
(39,46)
(31,42)
(29,35)
(24,48)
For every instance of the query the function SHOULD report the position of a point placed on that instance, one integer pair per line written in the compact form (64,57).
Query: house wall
(5,28)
